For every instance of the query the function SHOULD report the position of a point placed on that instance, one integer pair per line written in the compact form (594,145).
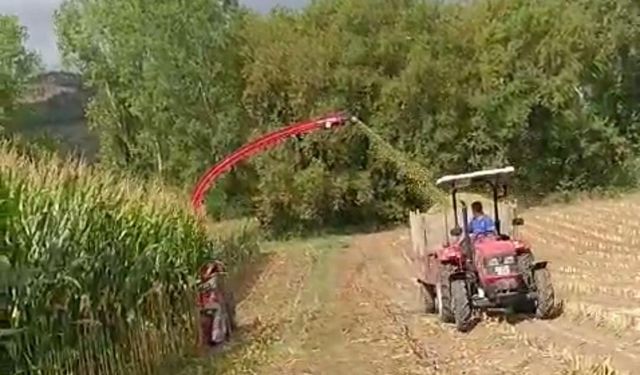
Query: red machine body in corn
(216,305)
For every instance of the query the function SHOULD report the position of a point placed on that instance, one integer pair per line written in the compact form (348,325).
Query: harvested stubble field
(349,305)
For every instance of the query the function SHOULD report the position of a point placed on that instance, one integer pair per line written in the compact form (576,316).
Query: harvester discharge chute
(256,146)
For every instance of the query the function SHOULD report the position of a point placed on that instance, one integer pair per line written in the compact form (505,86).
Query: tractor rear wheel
(443,297)
(461,305)
(428,298)
(545,299)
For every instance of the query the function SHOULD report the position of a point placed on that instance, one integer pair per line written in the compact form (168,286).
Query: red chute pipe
(263,143)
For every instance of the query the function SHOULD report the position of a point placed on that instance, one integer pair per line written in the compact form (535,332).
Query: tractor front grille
(503,270)
(501,266)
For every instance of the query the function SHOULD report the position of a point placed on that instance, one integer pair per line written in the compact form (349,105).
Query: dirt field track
(349,305)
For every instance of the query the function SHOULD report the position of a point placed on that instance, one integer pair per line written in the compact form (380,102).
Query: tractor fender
(539,265)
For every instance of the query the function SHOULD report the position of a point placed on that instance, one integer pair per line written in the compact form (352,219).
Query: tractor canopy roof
(494,176)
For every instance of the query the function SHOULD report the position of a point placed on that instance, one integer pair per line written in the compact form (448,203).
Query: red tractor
(493,271)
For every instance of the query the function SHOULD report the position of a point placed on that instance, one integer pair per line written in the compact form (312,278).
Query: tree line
(549,86)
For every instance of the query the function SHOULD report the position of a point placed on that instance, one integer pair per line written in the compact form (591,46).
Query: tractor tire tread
(525,262)
(462,311)
(446,313)
(545,301)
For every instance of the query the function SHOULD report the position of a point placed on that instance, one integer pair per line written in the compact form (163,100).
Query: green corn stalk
(107,266)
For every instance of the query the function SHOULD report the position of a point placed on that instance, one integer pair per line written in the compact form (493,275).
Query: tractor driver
(481,224)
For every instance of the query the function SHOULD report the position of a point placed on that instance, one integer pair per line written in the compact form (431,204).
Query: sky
(37,15)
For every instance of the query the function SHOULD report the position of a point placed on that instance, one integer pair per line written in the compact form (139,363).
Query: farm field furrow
(574,253)
(599,292)
(592,251)
(587,276)
(604,237)
(611,226)
(596,273)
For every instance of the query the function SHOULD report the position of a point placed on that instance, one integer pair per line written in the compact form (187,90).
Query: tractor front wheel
(545,299)
(461,305)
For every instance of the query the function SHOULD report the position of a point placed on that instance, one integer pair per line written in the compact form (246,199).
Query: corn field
(98,271)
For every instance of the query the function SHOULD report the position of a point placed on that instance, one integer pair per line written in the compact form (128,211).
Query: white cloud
(37,16)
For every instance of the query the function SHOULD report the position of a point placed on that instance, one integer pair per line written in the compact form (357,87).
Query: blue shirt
(482,225)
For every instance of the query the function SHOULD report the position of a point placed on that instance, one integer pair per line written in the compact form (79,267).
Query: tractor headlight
(493,262)
(509,260)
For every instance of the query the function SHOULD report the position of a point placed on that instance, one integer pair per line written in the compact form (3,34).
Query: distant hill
(51,84)
(54,107)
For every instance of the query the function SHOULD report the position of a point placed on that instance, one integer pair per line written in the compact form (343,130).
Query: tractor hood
(493,247)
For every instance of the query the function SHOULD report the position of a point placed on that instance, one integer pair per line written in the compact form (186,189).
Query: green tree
(333,55)
(549,86)
(166,80)
(17,65)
